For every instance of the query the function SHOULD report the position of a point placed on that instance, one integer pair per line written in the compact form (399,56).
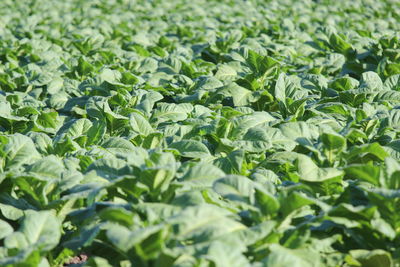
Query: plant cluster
(180,133)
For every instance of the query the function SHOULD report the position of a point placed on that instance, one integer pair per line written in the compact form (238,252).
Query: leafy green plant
(200,133)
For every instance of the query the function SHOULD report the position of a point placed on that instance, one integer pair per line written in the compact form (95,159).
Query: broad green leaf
(191,149)
(5,229)
(365,172)
(371,81)
(202,174)
(232,163)
(222,255)
(280,256)
(236,188)
(365,152)
(140,124)
(117,215)
(203,223)
(392,83)
(41,229)
(171,112)
(310,172)
(124,239)
(372,258)
(109,168)
(19,150)
(225,72)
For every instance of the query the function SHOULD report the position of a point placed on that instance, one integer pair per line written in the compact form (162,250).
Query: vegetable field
(200,133)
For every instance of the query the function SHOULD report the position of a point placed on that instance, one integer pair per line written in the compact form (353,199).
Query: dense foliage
(200,133)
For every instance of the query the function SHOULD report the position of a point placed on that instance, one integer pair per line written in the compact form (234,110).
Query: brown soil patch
(77,260)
